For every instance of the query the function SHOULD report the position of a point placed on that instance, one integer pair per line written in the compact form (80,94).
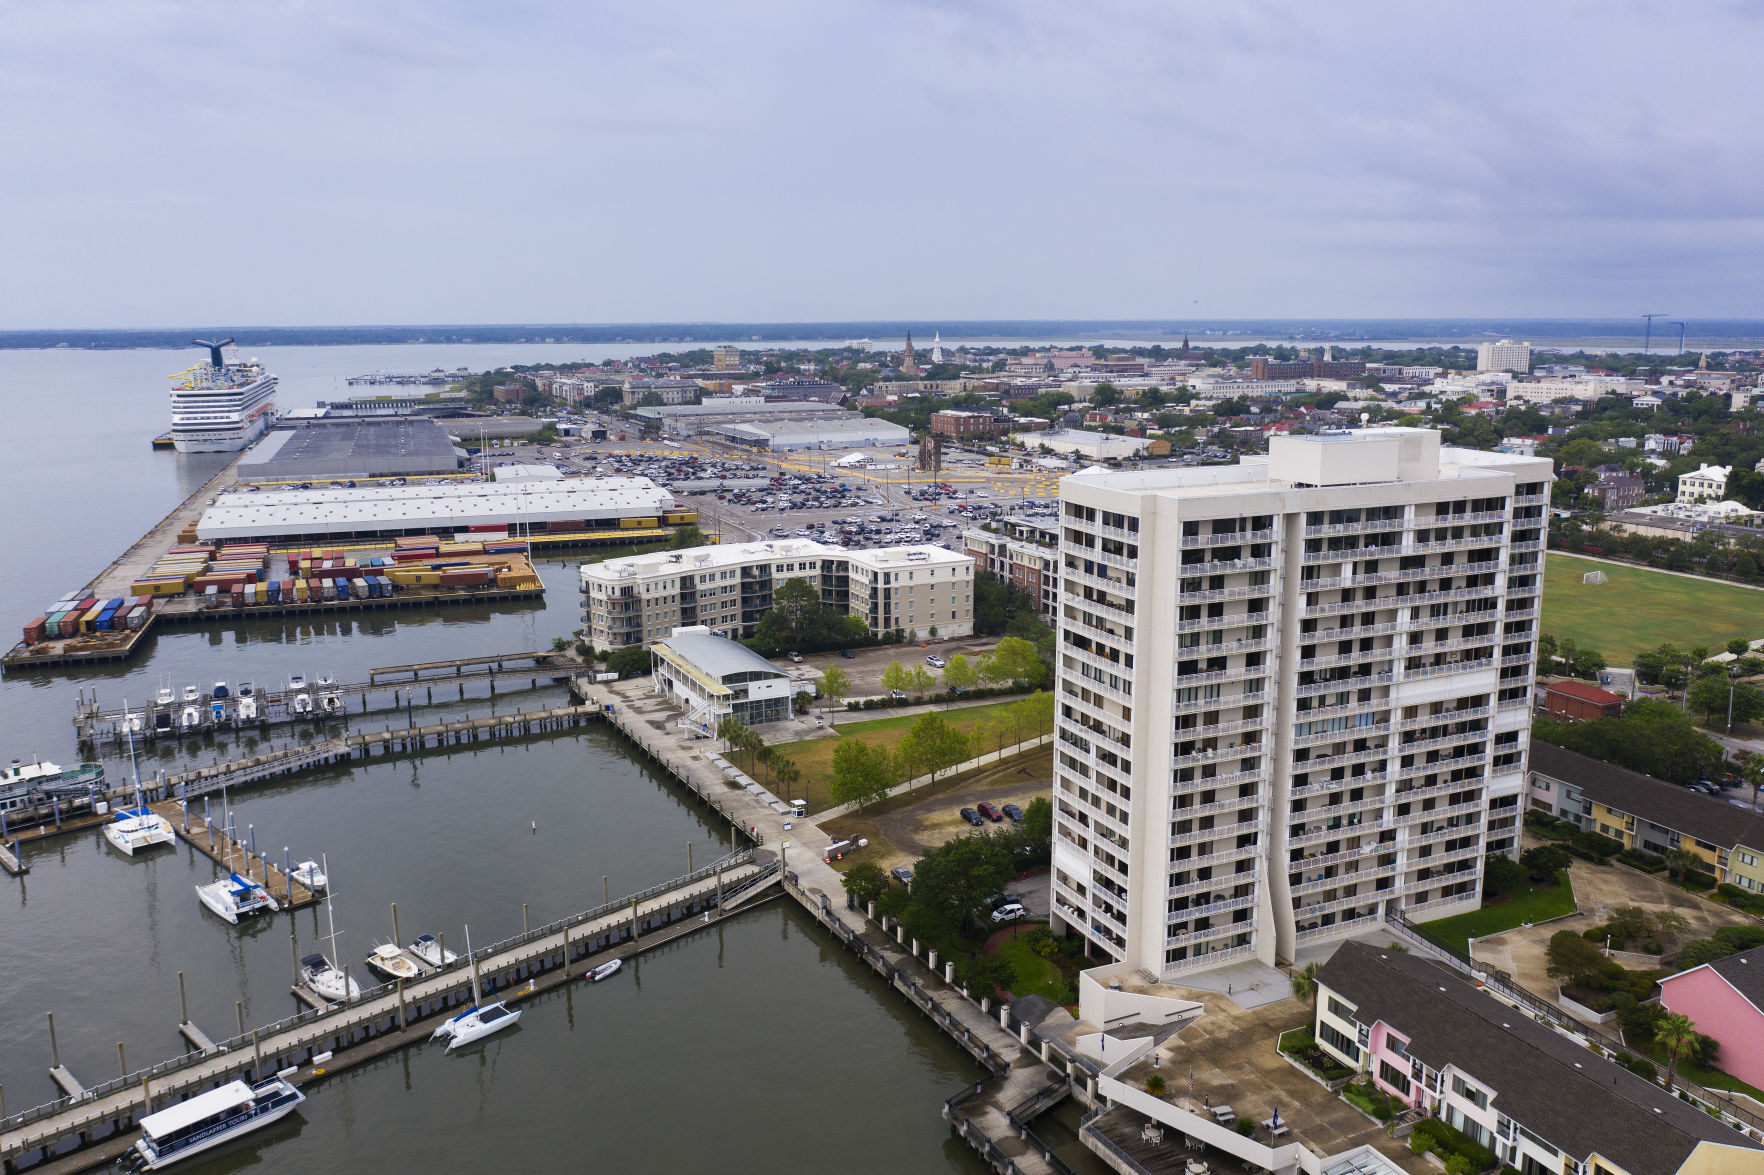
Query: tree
(835,687)
(1676,1034)
(865,882)
(931,746)
(919,681)
(688,536)
(1739,646)
(1501,874)
(862,772)
(1015,659)
(630,661)
(951,881)
(1680,862)
(1036,826)
(1154,1084)
(792,602)
(1545,861)
(1574,960)
(1304,984)
(960,674)
(1033,716)
(895,678)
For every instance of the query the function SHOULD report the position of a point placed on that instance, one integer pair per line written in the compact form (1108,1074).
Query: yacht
(479,1020)
(245,690)
(247,708)
(235,897)
(209,1119)
(190,720)
(309,874)
(390,960)
(221,406)
(138,828)
(299,696)
(330,703)
(192,694)
(429,950)
(165,696)
(325,980)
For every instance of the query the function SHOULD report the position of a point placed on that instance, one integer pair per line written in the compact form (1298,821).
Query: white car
(1009,913)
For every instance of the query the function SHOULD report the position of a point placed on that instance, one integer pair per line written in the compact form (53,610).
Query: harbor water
(757,1044)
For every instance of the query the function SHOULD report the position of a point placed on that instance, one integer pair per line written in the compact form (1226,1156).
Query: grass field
(1035,975)
(1640,609)
(1530,905)
(815,756)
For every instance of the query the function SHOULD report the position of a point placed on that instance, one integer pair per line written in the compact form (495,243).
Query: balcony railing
(1345,683)
(1323,883)
(1324,635)
(1215,754)
(1229,779)
(1442,718)
(1460,519)
(1352,924)
(1208,911)
(1316,835)
(1183,734)
(1372,526)
(1423,671)
(1341,760)
(1241,592)
(1323,787)
(1226,566)
(1343,735)
(1235,538)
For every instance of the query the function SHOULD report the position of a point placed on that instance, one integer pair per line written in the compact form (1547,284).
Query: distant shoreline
(1590,333)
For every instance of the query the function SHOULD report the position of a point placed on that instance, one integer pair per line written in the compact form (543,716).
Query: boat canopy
(204,1105)
(243,884)
(318,961)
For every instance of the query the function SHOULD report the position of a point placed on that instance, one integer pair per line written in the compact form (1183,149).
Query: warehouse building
(845,431)
(387,511)
(687,420)
(333,448)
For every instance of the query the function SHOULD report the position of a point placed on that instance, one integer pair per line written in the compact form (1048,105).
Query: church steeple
(907,364)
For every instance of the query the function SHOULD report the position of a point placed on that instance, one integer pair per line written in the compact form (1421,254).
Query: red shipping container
(486,528)
(33,632)
(568,524)
(413,554)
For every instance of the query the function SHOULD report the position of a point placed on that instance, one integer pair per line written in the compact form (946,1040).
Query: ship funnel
(214,351)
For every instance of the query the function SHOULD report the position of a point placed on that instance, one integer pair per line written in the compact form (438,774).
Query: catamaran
(236,897)
(479,1020)
(209,1119)
(138,828)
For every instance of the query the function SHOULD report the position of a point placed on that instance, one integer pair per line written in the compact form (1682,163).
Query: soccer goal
(1594,577)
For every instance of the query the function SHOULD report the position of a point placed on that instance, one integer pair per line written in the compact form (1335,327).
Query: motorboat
(296,682)
(429,951)
(131,723)
(309,874)
(192,694)
(605,971)
(217,711)
(326,980)
(165,696)
(302,703)
(191,719)
(245,690)
(138,828)
(330,703)
(246,708)
(325,682)
(220,691)
(390,960)
(210,1119)
(479,1020)
(162,722)
(235,897)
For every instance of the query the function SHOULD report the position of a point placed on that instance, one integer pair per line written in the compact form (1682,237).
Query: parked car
(972,817)
(897,693)
(1009,913)
(901,874)
(847,654)
(1004,899)
(795,656)
(1014,812)
(990,810)
(935,661)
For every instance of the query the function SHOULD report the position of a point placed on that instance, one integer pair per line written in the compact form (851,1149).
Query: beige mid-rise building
(1294,693)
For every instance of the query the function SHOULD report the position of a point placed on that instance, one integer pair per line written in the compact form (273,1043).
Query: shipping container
(636,523)
(567,524)
(300,591)
(33,632)
(330,589)
(138,618)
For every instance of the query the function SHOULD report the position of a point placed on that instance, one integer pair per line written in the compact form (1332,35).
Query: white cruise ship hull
(229,440)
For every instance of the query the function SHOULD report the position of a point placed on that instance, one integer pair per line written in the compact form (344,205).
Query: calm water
(738,1049)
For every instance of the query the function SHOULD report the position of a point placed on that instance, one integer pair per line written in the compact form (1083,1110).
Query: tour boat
(479,1020)
(138,828)
(309,874)
(428,949)
(605,970)
(390,960)
(236,896)
(326,980)
(210,1119)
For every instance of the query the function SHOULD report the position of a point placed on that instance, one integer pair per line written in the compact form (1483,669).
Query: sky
(298,162)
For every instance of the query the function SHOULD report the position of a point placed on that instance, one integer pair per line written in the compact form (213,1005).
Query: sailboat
(236,896)
(139,827)
(323,977)
(479,1020)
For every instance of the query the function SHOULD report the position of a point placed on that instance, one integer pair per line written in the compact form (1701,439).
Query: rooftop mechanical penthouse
(1294,693)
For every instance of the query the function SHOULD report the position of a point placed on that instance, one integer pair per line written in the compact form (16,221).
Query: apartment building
(1032,566)
(1294,693)
(921,590)
(1539,1099)
(728,589)
(1505,355)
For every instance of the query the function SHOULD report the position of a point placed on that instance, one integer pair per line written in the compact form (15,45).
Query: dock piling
(293,954)
(403,1017)
(397,940)
(122,1060)
(256,1056)
(183,1001)
(54,1049)
(526,924)
(239,1007)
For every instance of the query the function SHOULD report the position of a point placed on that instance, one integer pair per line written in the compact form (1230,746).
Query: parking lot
(865,667)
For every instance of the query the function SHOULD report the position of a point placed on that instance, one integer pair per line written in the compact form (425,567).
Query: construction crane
(1680,327)
(1648,338)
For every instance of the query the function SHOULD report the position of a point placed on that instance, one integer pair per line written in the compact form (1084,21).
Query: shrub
(1154,1085)
(1419,1143)
(1592,842)
(1460,1165)
(1642,1067)
(1696,880)
(1244,1127)
(1654,947)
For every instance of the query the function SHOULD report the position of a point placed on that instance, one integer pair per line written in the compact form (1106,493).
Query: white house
(1707,484)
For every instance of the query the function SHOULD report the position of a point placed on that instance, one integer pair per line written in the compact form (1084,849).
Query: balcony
(1343,735)
(1234,804)
(1115,532)
(1235,538)
(1442,545)
(1345,683)
(1070,575)
(1368,527)
(1207,677)
(1097,607)
(1444,740)
(1121,561)
(1215,754)
(1224,649)
(1208,911)
(1343,903)
(1182,734)
(1353,554)
(1226,566)
(1528,545)
(1229,779)
(1518,659)
(1323,883)
(1515,703)
(1425,671)
(1408,795)
(1342,760)
(1313,836)
(1208,623)
(1241,592)
(1449,645)
(1323,860)
(1214,859)
(1354,632)
(1427,838)
(1412,909)
(1530,499)
(1364,804)
(1459,519)
(1353,925)
(1423,599)
(1323,787)
(1095,686)
(1441,718)
(1475,850)
(1408,575)
(1194,936)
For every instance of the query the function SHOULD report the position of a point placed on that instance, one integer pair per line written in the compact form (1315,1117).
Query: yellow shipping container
(90,619)
(636,523)
(300,591)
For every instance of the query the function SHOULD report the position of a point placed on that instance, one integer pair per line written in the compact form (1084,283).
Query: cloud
(321,161)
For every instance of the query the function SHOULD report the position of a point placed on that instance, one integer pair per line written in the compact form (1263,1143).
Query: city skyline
(782,162)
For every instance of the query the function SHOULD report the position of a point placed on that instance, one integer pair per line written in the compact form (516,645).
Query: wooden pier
(12,862)
(234,856)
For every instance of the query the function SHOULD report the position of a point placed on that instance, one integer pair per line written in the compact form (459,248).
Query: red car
(990,811)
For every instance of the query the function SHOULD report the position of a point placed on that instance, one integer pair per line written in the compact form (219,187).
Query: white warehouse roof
(447,507)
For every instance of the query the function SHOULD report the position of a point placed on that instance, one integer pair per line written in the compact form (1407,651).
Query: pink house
(1726,1000)
(1389,1065)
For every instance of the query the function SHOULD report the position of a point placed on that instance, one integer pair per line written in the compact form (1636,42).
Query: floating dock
(234,856)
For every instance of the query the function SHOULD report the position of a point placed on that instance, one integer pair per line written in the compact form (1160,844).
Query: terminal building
(328,448)
(387,512)
(728,589)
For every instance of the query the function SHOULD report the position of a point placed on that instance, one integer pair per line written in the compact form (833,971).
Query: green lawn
(1529,905)
(1035,975)
(1641,609)
(1707,1078)
(815,756)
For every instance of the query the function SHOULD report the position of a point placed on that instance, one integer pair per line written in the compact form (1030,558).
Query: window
(1470,1093)
(1393,1077)
(1340,1010)
(1338,1041)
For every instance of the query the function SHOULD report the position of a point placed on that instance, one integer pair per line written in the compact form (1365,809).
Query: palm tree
(1677,1034)
(1304,985)
(1679,862)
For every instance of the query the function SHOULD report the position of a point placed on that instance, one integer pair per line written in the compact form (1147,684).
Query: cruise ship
(221,407)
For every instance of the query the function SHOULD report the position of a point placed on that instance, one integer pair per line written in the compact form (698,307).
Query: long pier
(94,1127)
(223,847)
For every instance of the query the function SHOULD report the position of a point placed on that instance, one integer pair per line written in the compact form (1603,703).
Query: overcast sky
(359,161)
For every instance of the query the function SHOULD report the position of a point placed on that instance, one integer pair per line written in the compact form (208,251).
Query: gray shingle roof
(1666,804)
(1558,1090)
